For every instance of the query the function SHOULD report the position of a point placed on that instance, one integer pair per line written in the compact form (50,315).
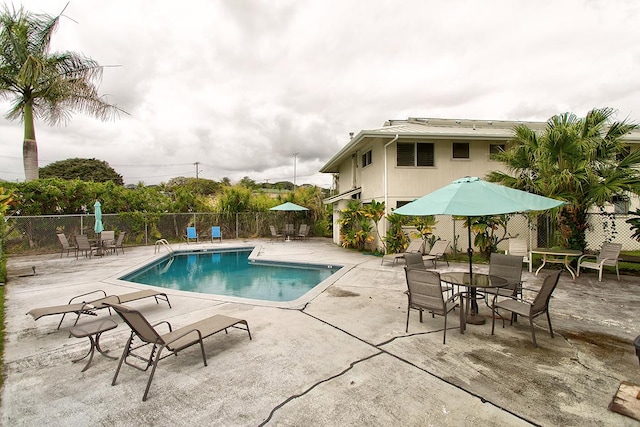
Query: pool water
(231,273)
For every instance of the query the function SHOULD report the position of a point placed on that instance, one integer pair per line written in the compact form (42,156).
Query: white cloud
(239,86)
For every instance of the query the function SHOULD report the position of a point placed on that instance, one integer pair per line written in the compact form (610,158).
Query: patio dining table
(557,256)
(479,280)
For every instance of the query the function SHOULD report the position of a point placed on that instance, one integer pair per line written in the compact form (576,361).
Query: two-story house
(406,159)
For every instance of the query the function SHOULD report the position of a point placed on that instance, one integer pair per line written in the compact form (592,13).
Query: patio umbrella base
(476,319)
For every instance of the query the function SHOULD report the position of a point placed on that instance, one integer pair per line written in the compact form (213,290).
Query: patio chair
(84,247)
(608,255)
(191,234)
(539,306)
(173,341)
(115,244)
(508,267)
(424,292)
(303,233)
(438,251)
(415,246)
(108,237)
(216,233)
(79,305)
(519,247)
(274,234)
(65,244)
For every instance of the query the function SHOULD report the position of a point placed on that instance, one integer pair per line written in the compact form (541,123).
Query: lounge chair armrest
(176,338)
(165,322)
(104,294)
(586,256)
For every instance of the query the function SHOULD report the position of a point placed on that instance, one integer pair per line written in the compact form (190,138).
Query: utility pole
(197,164)
(295,157)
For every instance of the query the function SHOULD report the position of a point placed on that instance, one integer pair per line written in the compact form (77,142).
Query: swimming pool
(231,273)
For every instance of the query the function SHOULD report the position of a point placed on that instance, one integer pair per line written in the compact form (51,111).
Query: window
(620,205)
(460,150)
(366,158)
(496,148)
(415,154)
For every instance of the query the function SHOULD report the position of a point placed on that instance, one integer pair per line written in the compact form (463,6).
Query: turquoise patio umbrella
(470,196)
(288,206)
(97,210)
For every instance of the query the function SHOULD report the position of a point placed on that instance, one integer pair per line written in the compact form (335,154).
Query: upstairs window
(366,159)
(415,154)
(620,205)
(460,150)
(496,148)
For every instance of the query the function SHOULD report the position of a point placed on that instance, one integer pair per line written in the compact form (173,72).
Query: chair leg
(125,353)
(550,327)
(153,371)
(533,332)
(444,336)
(407,328)
(204,358)
(493,318)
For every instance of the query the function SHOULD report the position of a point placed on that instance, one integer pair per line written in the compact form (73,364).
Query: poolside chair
(108,237)
(90,307)
(65,244)
(415,246)
(84,247)
(191,234)
(114,245)
(438,251)
(424,291)
(519,247)
(216,233)
(521,307)
(608,255)
(303,232)
(508,267)
(274,234)
(173,340)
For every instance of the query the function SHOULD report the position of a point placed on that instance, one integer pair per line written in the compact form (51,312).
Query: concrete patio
(342,359)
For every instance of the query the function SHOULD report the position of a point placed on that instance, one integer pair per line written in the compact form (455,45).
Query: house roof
(432,128)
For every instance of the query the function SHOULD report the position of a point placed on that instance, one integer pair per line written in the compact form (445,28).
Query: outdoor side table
(89,329)
(557,256)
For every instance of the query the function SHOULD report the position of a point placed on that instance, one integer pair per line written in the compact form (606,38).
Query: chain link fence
(541,232)
(38,234)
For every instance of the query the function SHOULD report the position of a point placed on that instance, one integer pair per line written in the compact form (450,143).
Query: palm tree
(584,161)
(42,84)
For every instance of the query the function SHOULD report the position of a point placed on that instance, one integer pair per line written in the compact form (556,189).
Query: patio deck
(342,359)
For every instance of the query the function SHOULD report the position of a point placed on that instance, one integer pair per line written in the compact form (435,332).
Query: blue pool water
(230,273)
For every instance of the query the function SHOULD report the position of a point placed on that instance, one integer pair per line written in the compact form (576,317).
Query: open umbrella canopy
(98,227)
(471,196)
(288,206)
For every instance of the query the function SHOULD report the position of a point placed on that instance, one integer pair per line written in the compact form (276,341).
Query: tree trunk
(30,146)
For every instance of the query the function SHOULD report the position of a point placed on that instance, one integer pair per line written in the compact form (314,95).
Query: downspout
(386,184)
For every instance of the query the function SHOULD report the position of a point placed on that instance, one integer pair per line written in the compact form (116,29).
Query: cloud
(240,86)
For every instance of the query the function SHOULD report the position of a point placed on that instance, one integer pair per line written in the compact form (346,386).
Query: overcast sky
(241,85)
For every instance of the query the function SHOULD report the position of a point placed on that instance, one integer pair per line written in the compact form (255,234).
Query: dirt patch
(337,292)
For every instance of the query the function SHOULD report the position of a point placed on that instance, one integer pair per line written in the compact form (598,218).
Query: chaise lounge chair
(174,340)
(415,246)
(92,306)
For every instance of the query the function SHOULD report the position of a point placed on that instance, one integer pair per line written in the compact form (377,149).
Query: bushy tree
(42,84)
(82,169)
(584,161)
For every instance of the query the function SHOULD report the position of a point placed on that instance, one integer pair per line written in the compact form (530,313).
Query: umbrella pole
(473,317)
